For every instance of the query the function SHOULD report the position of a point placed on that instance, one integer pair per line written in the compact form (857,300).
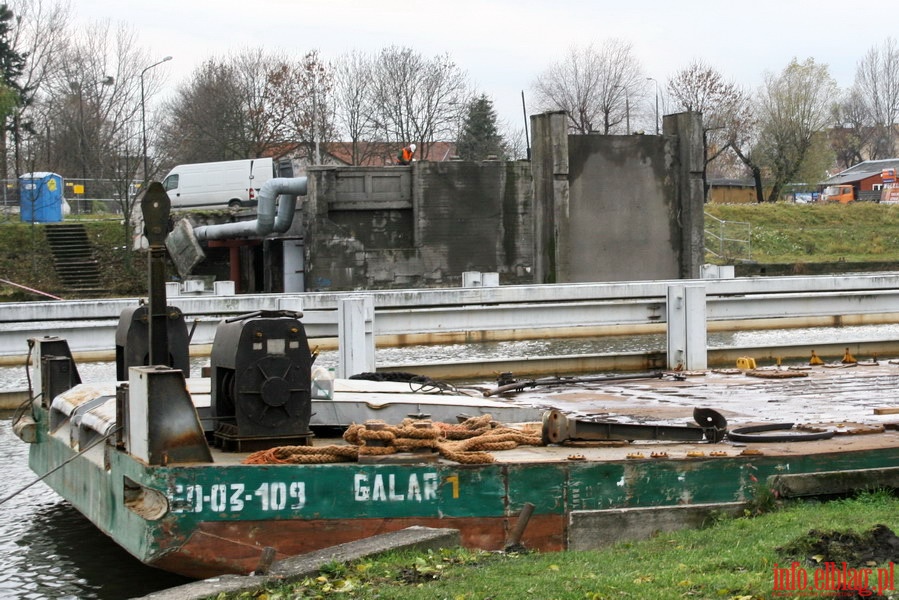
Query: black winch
(261,370)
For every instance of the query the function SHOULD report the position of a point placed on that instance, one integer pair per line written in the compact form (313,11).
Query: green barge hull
(202,520)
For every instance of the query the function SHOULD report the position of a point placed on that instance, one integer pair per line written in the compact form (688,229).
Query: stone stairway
(73,257)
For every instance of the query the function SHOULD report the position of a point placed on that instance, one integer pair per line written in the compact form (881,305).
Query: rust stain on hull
(217,548)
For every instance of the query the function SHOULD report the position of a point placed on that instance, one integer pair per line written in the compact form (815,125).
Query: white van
(231,183)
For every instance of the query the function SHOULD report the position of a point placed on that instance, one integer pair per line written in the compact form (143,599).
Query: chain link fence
(81,197)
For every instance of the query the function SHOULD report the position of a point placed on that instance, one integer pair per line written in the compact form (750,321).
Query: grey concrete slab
(834,482)
(592,529)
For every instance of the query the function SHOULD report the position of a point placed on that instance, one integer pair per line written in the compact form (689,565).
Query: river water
(48,550)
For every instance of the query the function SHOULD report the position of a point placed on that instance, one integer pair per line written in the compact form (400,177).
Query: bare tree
(94,96)
(260,79)
(723,104)
(93,105)
(355,112)
(205,120)
(744,142)
(310,106)
(244,106)
(595,87)
(851,135)
(793,108)
(42,46)
(514,140)
(877,85)
(421,100)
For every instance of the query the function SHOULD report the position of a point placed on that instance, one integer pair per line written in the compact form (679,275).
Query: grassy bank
(807,233)
(25,259)
(731,559)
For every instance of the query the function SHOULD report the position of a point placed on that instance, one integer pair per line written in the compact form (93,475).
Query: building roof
(723,182)
(863,170)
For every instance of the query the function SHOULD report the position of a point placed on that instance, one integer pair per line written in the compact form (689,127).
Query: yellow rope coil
(303,455)
(383,436)
(469,442)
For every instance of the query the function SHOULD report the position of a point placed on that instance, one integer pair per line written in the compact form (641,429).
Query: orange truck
(844,194)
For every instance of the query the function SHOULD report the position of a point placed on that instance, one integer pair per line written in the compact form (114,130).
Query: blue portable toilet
(40,197)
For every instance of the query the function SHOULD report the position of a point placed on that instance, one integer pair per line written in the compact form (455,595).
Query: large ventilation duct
(283,189)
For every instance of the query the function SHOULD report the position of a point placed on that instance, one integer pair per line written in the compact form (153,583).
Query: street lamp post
(657,102)
(627,107)
(82,141)
(143,115)
(627,112)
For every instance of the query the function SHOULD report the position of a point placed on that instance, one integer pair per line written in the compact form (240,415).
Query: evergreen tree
(12,63)
(480,137)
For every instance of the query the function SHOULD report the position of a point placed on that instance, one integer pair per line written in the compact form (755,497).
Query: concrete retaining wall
(417,226)
(618,208)
(587,208)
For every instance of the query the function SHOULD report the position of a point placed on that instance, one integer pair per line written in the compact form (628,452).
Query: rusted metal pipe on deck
(265,561)
(559,428)
(513,542)
(528,383)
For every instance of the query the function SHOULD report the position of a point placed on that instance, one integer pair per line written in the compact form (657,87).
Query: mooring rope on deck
(469,442)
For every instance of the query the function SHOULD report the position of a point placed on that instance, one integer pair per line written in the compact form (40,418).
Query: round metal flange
(751,433)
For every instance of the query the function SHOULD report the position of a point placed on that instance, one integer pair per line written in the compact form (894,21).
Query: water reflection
(49,550)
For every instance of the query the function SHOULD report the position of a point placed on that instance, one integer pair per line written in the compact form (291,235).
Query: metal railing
(728,240)
(517,312)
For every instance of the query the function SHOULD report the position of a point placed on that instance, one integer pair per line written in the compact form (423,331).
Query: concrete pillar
(355,332)
(471,279)
(686,129)
(490,279)
(294,303)
(294,266)
(223,288)
(687,335)
(549,167)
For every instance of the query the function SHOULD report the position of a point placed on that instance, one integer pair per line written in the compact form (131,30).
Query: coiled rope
(469,442)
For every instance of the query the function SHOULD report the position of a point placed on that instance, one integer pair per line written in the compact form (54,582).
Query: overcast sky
(504,44)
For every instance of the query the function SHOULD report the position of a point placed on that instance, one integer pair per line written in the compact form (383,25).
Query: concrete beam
(593,529)
(834,482)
